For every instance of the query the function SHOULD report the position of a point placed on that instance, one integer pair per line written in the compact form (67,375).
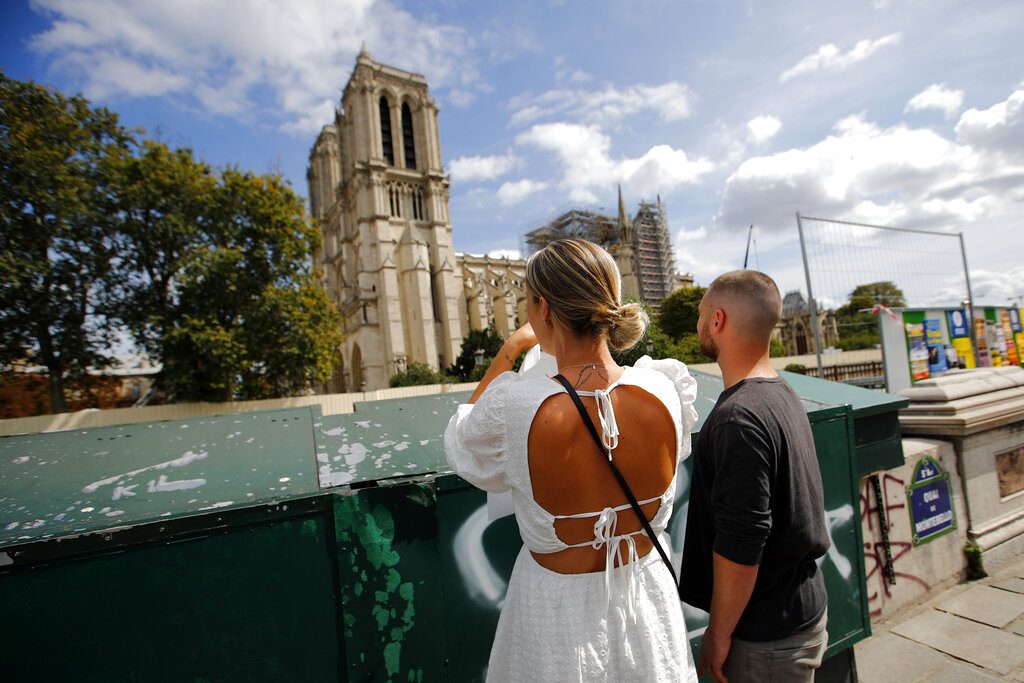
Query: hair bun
(626,325)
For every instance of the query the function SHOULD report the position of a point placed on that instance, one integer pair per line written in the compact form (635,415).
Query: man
(756,520)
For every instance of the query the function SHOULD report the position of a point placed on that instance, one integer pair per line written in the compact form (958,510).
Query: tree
(679,312)
(465,367)
(858,327)
(247,318)
(55,249)
(417,374)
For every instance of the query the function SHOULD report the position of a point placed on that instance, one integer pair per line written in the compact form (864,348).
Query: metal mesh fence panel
(855,269)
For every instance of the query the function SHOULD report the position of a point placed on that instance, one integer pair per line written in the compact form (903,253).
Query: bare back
(568,474)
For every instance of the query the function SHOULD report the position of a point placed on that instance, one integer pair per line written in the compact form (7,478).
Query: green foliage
(418,374)
(796,367)
(679,312)
(776,349)
(465,367)
(210,272)
(246,298)
(975,564)
(55,245)
(858,327)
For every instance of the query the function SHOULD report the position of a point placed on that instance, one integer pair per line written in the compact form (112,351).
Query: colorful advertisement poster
(1018,332)
(979,337)
(960,334)
(995,339)
(1011,344)
(917,349)
(935,341)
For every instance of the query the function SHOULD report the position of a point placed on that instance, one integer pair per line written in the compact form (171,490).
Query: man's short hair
(752,301)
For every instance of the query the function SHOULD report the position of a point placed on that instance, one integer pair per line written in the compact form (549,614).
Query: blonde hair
(582,285)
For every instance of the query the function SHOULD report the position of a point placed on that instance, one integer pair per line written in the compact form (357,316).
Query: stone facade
(380,196)
(796,330)
(378,191)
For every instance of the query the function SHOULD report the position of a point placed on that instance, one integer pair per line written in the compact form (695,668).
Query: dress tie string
(605,534)
(606,415)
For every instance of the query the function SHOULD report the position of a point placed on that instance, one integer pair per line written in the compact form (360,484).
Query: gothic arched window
(408,143)
(385,131)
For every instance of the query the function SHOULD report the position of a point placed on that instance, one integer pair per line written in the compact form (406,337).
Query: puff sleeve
(686,388)
(475,439)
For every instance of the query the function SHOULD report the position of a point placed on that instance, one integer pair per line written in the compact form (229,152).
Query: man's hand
(714,649)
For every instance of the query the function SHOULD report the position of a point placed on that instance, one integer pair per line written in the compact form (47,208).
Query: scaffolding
(578,223)
(644,240)
(654,253)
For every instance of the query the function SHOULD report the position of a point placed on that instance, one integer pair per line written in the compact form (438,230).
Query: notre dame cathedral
(379,193)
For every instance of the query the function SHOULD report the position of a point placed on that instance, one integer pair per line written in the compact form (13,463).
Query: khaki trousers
(790,660)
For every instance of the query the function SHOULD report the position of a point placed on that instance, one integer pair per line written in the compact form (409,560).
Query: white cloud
(516,191)
(831,58)
(762,128)
(901,176)
(584,153)
(477,168)
(671,101)
(859,163)
(937,96)
(226,54)
(998,129)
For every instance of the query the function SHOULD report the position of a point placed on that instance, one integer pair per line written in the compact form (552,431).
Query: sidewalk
(973,632)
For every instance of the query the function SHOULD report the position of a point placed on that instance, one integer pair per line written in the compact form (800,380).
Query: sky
(905,113)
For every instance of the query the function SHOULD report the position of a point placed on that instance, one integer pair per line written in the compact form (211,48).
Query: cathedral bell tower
(378,191)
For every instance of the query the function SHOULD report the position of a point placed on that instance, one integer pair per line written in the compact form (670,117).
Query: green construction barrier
(287,545)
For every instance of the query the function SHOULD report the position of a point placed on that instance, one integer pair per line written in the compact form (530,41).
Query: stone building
(378,191)
(796,330)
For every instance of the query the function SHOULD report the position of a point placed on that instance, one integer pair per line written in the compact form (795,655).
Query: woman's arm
(521,339)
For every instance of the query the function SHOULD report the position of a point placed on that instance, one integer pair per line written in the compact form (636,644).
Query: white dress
(622,624)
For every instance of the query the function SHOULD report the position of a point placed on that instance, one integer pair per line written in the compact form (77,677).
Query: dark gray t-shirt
(756,498)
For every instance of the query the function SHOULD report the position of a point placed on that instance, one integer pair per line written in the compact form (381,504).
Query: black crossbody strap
(618,476)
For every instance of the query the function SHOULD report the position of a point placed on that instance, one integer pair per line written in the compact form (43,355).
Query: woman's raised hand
(523,338)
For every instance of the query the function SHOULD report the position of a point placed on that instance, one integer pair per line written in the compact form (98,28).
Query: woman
(587,600)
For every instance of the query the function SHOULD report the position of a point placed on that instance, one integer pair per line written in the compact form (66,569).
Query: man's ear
(718,320)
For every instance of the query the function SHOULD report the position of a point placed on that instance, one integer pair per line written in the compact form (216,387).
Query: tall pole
(970,302)
(810,295)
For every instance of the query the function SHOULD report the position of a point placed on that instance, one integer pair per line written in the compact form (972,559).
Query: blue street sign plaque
(930,502)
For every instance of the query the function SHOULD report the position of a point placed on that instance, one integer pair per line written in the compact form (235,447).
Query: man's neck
(738,367)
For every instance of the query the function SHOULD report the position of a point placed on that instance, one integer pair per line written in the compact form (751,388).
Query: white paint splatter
(337,431)
(187,458)
(401,446)
(104,511)
(383,444)
(11,527)
(284,479)
(34,524)
(365,424)
(121,491)
(424,442)
(321,457)
(18,461)
(161,484)
(115,513)
(250,439)
(222,504)
(88,509)
(356,454)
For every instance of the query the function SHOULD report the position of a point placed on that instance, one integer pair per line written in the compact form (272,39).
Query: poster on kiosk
(918,344)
